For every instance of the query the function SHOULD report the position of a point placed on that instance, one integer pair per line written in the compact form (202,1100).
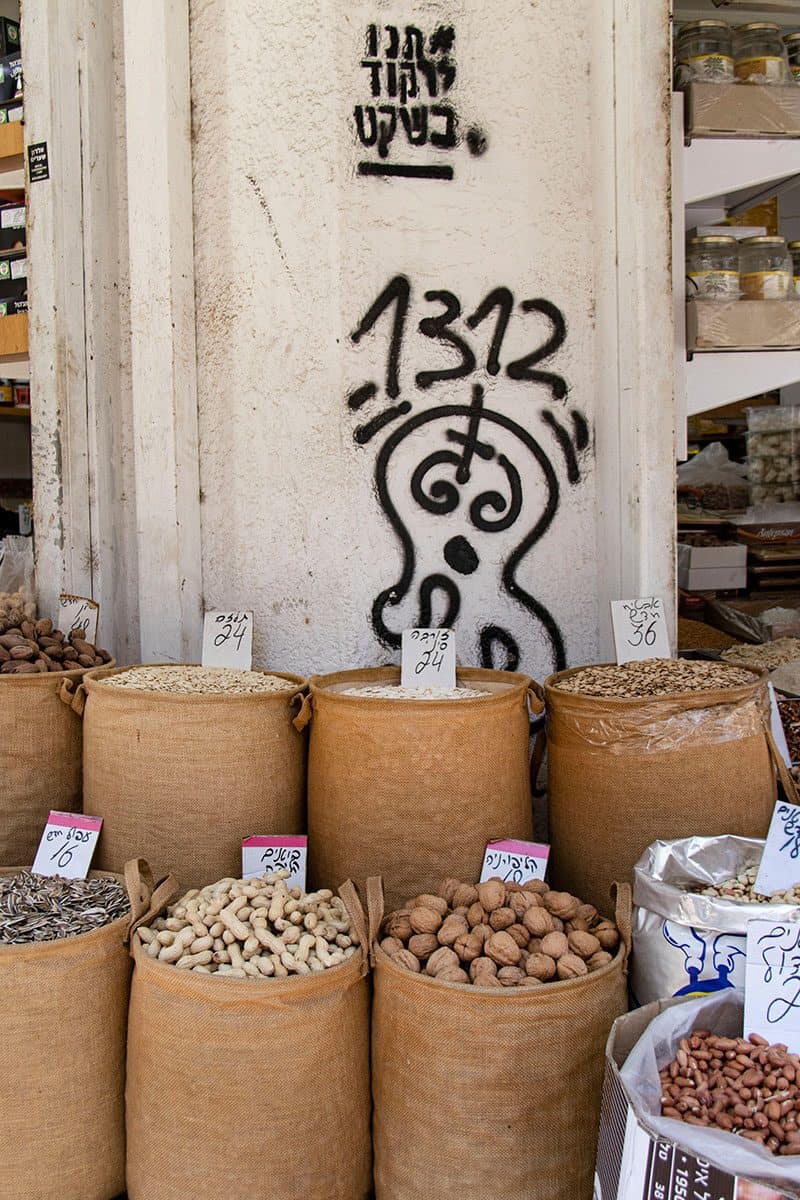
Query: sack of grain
(482,1090)
(683,751)
(63,1011)
(233,1081)
(184,775)
(394,784)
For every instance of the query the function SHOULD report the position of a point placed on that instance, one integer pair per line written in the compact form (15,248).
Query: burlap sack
(481,1092)
(63,1016)
(183,778)
(393,786)
(239,1089)
(40,760)
(624,773)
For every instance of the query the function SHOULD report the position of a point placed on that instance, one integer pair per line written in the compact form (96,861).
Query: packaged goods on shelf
(712,479)
(692,900)
(792,44)
(390,783)
(489,1089)
(661,750)
(760,54)
(712,267)
(198,1045)
(183,762)
(742,110)
(706,568)
(766,271)
(63,1007)
(704,50)
(744,324)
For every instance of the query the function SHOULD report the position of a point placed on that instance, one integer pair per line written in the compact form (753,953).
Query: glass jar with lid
(792,44)
(765,269)
(712,268)
(794,250)
(704,50)
(759,53)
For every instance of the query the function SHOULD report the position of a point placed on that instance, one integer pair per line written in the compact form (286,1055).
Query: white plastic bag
(713,480)
(17,589)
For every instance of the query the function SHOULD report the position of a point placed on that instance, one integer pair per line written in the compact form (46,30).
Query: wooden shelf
(14,414)
(13,338)
(11,140)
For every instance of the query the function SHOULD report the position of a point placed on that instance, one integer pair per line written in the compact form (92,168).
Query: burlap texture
(183,778)
(240,1089)
(63,1015)
(482,1092)
(40,760)
(408,789)
(623,773)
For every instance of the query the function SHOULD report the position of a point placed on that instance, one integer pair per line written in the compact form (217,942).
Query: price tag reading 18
(228,640)
(261,855)
(429,658)
(67,845)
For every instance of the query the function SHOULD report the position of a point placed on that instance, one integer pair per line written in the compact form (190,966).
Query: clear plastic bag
(17,586)
(713,480)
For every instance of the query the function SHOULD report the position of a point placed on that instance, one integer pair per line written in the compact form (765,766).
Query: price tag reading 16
(67,845)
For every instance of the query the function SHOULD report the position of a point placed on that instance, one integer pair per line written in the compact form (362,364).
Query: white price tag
(289,852)
(772,982)
(429,658)
(79,613)
(778,732)
(514,862)
(780,862)
(228,640)
(640,629)
(67,845)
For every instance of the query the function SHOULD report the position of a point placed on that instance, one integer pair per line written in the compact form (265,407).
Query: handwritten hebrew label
(780,862)
(515,862)
(67,845)
(79,613)
(429,658)
(640,629)
(772,982)
(260,855)
(228,640)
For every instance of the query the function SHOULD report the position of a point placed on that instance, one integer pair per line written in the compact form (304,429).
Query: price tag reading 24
(67,845)
(228,640)
(429,658)
(261,855)
(640,629)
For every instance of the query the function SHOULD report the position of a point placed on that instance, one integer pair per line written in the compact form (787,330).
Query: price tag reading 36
(261,855)
(67,845)
(429,658)
(228,640)
(640,629)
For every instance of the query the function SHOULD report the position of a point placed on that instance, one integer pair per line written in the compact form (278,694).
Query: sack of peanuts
(492,1005)
(248,1046)
(692,900)
(691,1102)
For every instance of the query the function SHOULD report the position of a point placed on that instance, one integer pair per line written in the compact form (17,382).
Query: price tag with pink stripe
(67,845)
(515,862)
(276,852)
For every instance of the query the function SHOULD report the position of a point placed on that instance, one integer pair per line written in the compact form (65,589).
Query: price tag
(79,613)
(429,658)
(772,982)
(228,640)
(780,862)
(778,732)
(278,852)
(67,845)
(640,629)
(514,862)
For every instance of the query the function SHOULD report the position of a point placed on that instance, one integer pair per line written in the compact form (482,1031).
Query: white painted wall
(291,248)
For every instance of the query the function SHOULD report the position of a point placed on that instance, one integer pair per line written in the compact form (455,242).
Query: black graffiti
(421,125)
(464,443)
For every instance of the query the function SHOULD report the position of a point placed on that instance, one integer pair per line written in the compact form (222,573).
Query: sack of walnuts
(492,1005)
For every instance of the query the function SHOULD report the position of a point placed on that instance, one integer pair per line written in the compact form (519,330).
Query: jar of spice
(760,53)
(712,268)
(704,50)
(794,250)
(765,269)
(792,44)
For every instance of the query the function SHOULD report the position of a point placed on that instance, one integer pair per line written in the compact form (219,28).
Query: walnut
(535,946)
(562,904)
(492,894)
(440,960)
(452,929)
(404,958)
(607,935)
(577,925)
(519,934)
(391,946)
(538,886)
(558,924)
(398,925)
(540,966)
(434,902)
(555,944)
(461,910)
(510,976)
(519,903)
(468,947)
(423,944)
(448,888)
(476,914)
(531,981)
(538,921)
(488,981)
(452,975)
(601,959)
(481,966)
(503,949)
(465,893)
(583,944)
(501,918)
(586,912)
(483,932)
(569,966)
(425,920)
(512,887)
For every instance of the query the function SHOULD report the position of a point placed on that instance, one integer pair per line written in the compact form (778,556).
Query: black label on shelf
(38,162)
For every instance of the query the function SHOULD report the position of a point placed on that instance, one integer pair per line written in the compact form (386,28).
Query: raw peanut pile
(185,679)
(14,609)
(43,908)
(654,677)
(252,929)
(742,887)
(745,1087)
(767,656)
(790,716)
(29,648)
(497,934)
(394,692)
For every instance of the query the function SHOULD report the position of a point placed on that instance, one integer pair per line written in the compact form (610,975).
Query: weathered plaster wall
(478,492)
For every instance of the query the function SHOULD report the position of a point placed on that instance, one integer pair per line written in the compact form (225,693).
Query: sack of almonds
(185,761)
(250,1054)
(65,974)
(652,750)
(395,776)
(490,1015)
(40,739)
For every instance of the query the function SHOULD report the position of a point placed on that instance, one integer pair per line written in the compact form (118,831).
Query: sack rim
(56,945)
(517,681)
(702,699)
(94,676)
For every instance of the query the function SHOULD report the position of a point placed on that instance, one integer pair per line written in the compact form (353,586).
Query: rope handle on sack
(76,700)
(358,920)
(147,898)
(306,710)
(623,915)
(535,698)
(784,774)
(375,910)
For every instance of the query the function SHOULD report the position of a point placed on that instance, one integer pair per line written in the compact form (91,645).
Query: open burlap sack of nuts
(487,1050)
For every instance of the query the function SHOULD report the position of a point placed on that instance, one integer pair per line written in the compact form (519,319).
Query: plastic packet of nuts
(722,1014)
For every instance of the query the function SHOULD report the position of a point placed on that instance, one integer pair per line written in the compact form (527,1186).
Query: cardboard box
(712,568)
(742,324)
(742,110)
(632,1164)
